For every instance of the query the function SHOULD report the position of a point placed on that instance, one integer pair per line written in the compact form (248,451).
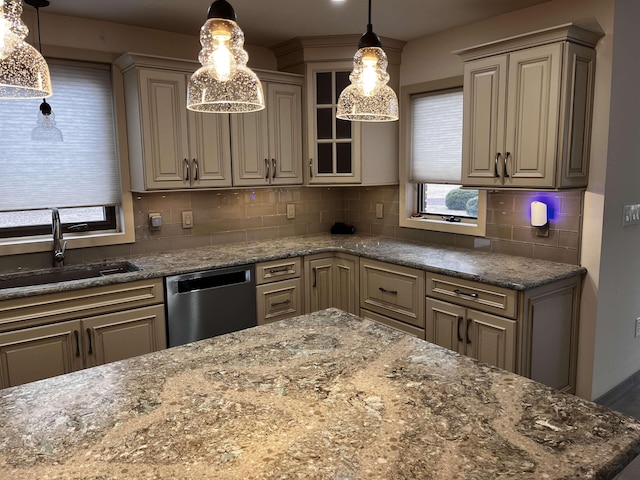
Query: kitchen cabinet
(267,145)
(527,110)
(533,333)
(332,281)
(394,292)
(343,152)
(279,290)
(47,335)
(171,147)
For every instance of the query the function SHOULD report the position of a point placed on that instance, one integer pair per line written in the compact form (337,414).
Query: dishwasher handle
(214,280)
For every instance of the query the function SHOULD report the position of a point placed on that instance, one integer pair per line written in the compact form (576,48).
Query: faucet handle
(59,254)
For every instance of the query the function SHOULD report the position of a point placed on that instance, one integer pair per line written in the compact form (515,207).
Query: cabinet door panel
(320,285)
(532,116)
(210,148)
(285,133)
(483,120)
(164,125)
(121,335)
(346,285)
(491,339)
(279,300)
(36,353)
(445,324)
(250,147)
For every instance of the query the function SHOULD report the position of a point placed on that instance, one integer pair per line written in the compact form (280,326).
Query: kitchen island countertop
(325,395)
(518,273)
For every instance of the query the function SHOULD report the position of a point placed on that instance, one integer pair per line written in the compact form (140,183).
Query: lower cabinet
(278,290)
(48,335)
(390,322)
(486,337)
(332,281)
(533,333)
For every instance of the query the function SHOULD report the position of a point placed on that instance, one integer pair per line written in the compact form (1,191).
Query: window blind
(436,137)
(81,171)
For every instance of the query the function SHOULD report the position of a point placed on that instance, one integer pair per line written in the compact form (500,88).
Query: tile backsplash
(240,215)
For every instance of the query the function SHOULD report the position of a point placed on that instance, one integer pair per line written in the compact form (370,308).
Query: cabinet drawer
(488,298)
(279,300)
(392,290)
(55,307)
(278,270)
(395,324)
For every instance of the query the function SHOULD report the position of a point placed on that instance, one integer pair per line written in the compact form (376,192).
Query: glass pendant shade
(23,71)
(224,83)
(46,130)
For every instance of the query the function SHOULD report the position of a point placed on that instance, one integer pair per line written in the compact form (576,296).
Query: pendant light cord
(369,15)
(40,40)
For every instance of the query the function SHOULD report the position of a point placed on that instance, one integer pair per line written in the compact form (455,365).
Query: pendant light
(368,98)
(23,71)
(224,83)
(45,129)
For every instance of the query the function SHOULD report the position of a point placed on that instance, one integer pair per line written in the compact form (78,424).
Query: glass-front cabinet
(334,145)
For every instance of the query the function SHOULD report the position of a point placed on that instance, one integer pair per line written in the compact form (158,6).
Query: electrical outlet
(187,219)
(630,215)
(291,211)
(637,327)
(155,220)
(379,210)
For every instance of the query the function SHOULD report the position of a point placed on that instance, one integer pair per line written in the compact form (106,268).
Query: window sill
(475,229)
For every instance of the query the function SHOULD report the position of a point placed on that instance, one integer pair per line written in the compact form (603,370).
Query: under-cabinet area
(46,335)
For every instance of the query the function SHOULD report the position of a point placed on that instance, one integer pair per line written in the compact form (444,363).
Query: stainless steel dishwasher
(209,303)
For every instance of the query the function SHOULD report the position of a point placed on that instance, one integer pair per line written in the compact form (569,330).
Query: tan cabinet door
(210,150)
(120,335)
(346,284)
(491,339)
(319,276)
(36,353)
(445,324)
(533,116)
(284,108)
(279,300)
(250,147)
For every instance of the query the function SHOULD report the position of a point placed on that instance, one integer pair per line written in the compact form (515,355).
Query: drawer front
(279,300)
(55,307)
(395,324)
(278,270)
(392,290)
(487,298)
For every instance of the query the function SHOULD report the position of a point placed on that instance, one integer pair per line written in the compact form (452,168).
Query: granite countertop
(326,395)
(508,271)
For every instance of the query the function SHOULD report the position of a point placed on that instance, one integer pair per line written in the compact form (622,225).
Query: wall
(430,58)
(508,228)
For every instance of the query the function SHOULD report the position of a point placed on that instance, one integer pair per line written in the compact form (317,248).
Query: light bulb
(222,61)
(369,73)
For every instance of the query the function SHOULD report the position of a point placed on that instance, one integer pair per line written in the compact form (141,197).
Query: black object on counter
(340,228)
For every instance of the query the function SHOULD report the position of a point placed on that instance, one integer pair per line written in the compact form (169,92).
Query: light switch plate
(630,215)
(637,327)
(187,219)
(291,211)
(155,220)
(379,210)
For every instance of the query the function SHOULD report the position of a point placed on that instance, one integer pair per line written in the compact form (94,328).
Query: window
(80,175)
(431,159)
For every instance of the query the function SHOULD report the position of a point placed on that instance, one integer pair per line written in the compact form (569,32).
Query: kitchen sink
(64,274)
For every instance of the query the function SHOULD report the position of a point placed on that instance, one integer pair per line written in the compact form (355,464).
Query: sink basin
(64,274)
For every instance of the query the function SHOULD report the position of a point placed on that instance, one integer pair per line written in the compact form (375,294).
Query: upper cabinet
(267,145)
(171,147)
(339,152)
(528,104)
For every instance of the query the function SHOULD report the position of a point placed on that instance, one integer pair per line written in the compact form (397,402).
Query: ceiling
(269,22)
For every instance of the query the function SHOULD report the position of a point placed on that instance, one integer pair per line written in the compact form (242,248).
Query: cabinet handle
(77,335)
(273,163)
(457,291)
(314,277)
(187,173)
(495,166)
(279,270)
(277,304)
(196,170)
(460,318)
(384,290)
(506,157)
(90,342)
(468,335)
(266,162)
(311,168)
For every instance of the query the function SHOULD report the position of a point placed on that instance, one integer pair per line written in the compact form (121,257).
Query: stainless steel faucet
(59,246)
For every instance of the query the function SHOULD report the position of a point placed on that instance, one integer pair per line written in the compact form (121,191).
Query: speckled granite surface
(322,396)
(503,270)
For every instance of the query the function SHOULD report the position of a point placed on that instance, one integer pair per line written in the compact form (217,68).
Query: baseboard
(619,391)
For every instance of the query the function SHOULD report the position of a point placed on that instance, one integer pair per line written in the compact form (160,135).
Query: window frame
(408,192)
(124,214)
